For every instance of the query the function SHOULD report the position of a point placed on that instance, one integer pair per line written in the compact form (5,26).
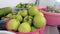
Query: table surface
(51,30)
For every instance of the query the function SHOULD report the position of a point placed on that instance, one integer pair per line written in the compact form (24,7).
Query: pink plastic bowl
(52,18)
(38,31)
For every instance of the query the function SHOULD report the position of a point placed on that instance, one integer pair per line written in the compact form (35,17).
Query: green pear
(33,11)
(13,24)
(23,13)
(28,19)
(9,15)
(40,14)
(18,5)
(39,21)
(27,5)
(17,17)
(33,28)
(24,27)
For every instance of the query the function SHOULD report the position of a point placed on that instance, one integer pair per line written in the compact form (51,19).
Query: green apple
(28,19)
(13,24)
(23,13)
(24,27)
(39,21)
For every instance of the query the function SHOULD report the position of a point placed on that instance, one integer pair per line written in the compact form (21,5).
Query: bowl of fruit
(3,12)
(26,21)
(52,15)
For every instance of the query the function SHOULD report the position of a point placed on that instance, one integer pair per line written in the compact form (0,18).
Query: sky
(57,0)
(12,3)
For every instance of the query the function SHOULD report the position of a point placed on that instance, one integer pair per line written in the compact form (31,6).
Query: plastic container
(53,19)
(38,31)
(6,32)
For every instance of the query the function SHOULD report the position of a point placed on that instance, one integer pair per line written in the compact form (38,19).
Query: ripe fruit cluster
(26,20)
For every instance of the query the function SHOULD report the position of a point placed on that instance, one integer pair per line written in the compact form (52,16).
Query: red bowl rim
(50,13)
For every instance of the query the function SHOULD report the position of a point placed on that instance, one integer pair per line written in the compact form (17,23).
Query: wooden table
(51,30)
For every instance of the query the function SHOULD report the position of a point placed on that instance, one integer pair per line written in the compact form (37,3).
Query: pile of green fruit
(52,9)
(23,6)
(4,11)
(26,20)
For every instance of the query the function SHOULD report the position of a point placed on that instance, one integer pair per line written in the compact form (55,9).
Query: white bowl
(6,32)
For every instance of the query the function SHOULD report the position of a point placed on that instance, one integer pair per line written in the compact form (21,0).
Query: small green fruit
(33,11)
(18,5)
(9,15)
(17,17)
(39,21)
(28,19)
(24,27)
(13,24)
(23,13)
(27,5)
(41,14)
